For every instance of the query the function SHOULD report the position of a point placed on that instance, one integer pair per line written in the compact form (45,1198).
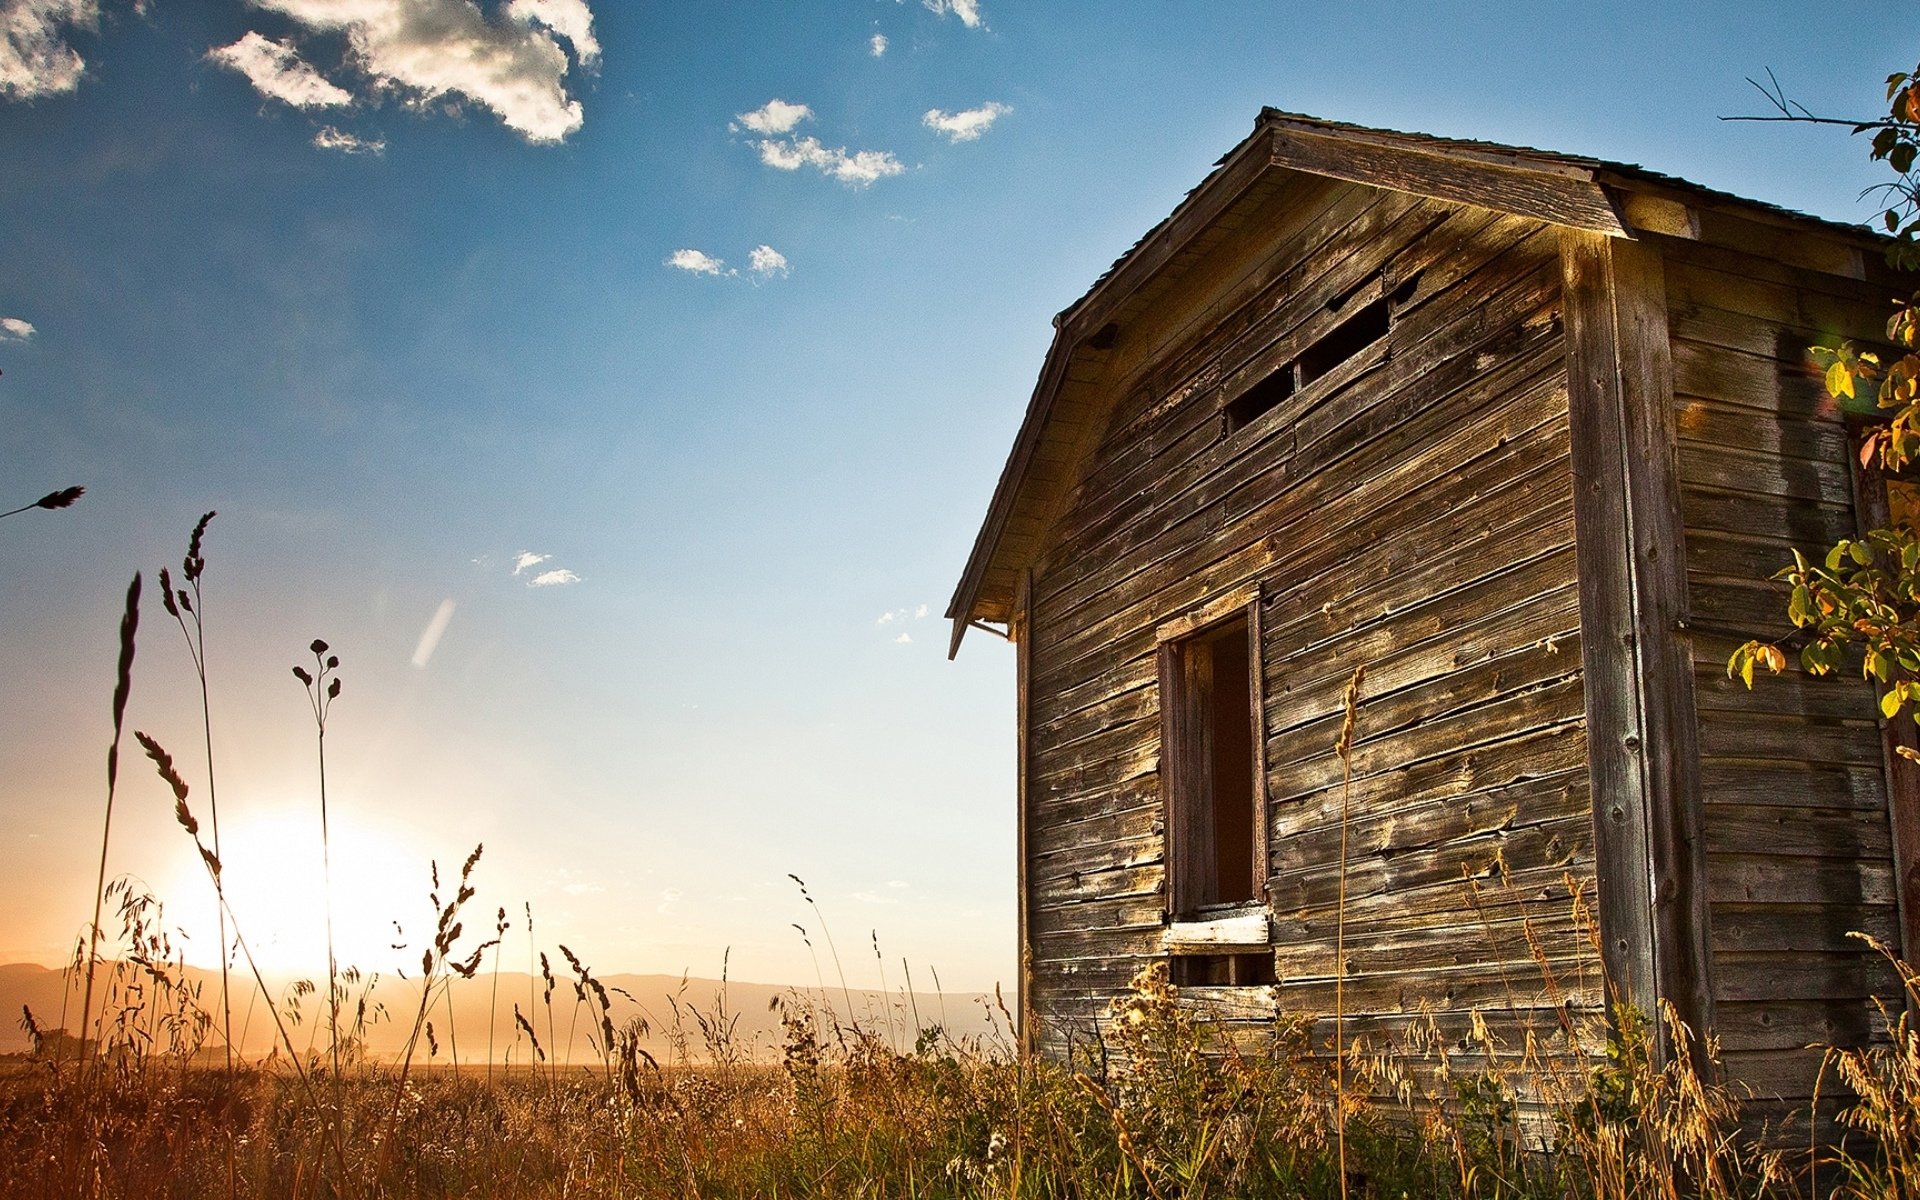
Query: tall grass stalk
(180,605)
(846,994)
(323,688)
(63,498)
(493,1004)
(122,688)
(1344,748)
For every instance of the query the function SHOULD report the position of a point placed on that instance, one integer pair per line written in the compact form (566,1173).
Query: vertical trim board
(1642,730)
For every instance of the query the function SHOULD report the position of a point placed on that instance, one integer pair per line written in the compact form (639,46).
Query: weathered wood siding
(1792,773)
(1412,515)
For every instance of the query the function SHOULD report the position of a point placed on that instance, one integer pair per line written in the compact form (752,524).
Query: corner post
(1020,629)
(1642,727)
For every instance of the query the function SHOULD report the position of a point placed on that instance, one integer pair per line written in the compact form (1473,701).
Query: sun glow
(276,885)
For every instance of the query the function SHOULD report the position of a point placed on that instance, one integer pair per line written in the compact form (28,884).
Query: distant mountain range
(748,1013)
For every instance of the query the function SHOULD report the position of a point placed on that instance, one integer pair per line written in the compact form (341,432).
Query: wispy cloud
(968,123)
(669,901)
(777,119)
(439,52)
(857,169)
(775,116)
(967,10)
(877,45)
(430,636)
(917,612)
(903,639)
(276,71)
(13,329)
(697,262)
(527,560)
(329,138)
(35,59)
(766,262)
(870,898)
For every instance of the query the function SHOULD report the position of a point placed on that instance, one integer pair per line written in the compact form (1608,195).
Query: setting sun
(275,883)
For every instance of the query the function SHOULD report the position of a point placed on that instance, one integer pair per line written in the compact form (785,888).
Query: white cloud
(556,578)
(898,883)
(903,639)
(430,636)
(434,50)
(35,59)
(870,898)
(967,10)
(669,901)
(329,138)
(920,612)
(571,19)
(276,71)
(527,558)
(877,44)
(766,262)
(916,613)
(775,116)
(967,124)
(697,262)
(855,170)
(13,329)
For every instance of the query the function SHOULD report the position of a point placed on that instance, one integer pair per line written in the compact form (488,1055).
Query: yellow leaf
(1840,381)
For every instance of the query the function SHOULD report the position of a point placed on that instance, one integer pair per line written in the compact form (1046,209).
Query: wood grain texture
(1643,741)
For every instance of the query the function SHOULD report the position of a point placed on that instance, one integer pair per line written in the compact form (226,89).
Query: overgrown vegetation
(1170,1105)
(1162,1100)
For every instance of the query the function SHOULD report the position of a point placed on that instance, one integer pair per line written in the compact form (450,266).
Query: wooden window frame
(1177,731)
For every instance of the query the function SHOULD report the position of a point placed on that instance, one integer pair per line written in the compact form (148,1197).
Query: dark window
(1260,399)
(1348,338)
(1233,970)
(1210,764)
(1344,342)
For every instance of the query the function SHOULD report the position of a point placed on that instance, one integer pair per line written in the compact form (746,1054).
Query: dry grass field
(1167,1106)
(150,1100)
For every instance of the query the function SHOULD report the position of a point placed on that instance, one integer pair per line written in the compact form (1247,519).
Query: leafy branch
(1863,596)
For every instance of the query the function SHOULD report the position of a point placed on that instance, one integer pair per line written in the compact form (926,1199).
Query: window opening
(1210,761)
(1260,399)
(1339,345)
(1347,339)
(1221,970)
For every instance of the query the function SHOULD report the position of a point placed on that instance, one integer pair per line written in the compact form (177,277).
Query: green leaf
(1860,552)
(1840,380)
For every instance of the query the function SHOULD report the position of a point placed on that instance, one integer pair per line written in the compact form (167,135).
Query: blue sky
(403,319)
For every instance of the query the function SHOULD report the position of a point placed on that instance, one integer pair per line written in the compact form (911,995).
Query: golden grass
(1165,1101)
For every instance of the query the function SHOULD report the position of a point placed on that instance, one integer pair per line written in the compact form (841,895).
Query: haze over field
(618,388)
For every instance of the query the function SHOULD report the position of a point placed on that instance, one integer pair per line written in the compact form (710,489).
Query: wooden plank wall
(1792,773)
(1413,515)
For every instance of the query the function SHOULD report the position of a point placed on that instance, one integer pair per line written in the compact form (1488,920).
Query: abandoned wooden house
(1524,435)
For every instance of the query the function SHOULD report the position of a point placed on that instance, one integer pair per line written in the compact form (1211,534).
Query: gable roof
(1616,199)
